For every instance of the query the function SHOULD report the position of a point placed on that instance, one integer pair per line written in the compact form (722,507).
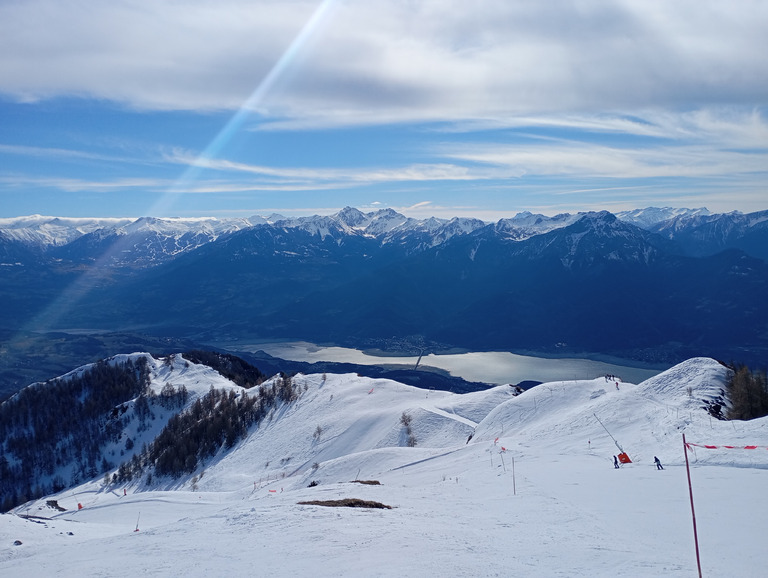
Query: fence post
(693,512)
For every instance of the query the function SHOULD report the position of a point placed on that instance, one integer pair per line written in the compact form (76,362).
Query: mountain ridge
(153,238)
(488,470)
(123,403)
(535,283)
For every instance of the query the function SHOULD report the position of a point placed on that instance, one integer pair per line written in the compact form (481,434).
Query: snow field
(458,508)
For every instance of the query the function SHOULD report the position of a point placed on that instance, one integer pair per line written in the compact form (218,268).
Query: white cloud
(72,155)
(357,175)
(386,60)
(156,55)
(587,160)
(642,89)
(84,185)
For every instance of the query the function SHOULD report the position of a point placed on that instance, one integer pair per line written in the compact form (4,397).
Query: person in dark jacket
(615,462)
(658,463)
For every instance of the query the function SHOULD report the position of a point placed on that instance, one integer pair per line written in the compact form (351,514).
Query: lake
(498,367)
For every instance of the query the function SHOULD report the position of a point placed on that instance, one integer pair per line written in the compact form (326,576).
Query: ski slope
(533,493)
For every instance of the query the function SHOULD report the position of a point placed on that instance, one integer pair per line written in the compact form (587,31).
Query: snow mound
(697,378)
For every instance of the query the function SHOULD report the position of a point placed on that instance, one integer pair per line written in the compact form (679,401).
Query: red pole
(693,512)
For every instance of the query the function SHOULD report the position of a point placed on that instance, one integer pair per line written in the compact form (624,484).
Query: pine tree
(748,394)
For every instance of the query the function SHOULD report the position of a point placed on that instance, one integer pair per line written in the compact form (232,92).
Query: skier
(615,463)
(658,463)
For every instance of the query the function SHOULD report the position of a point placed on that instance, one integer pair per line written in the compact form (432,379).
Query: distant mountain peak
(352,217)
(650,216)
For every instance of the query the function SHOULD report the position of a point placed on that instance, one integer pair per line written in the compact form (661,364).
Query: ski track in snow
(533,493)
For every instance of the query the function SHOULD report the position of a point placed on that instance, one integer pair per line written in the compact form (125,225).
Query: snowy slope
(57,231)
(646,419)
(44,231)
(526,225)
(650,216)
(534,492)
(173,370)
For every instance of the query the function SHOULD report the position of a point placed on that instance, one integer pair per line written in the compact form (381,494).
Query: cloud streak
(415,172)
(583,160)
(458,162)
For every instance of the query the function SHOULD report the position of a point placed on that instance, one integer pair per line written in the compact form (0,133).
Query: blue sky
(484,109)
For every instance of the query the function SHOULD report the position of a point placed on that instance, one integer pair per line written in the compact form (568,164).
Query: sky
(441,108)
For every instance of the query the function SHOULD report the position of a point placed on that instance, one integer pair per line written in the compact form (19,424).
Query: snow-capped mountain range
(678,285)
(386,224)
(171,236)
(494,482)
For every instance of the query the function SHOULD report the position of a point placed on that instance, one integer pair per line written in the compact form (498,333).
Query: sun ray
(76,291)
(224,136)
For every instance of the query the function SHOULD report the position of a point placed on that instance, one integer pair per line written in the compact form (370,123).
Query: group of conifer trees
(748,393)
(66,424)
(218,419)
(63,425)
(230,366)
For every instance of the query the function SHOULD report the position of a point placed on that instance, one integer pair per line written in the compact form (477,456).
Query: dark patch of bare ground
(368,482)
(346,503)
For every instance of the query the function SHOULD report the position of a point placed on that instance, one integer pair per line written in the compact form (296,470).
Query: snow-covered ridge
(58,231)
(37,230)
(151,240)
(359,414)
(650,216)
(385,224)
(533,491)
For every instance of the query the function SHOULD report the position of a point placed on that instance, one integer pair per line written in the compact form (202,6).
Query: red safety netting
(711,447)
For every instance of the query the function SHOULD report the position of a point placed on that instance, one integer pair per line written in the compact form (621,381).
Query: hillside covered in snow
(489,483)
